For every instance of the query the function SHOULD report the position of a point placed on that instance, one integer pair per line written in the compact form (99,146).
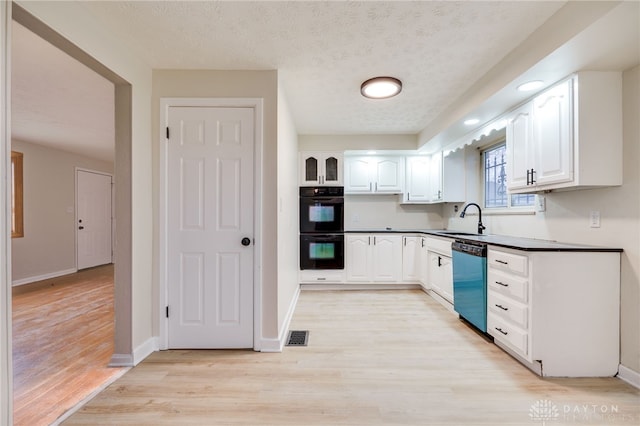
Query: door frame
(113,216)
(163,295)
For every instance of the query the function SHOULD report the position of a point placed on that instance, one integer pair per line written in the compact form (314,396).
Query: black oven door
(321,214)
(322,251)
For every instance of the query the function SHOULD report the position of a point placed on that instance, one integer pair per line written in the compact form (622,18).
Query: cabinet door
(435,177)
(424,263)
(332,169)
(357,257)
(389,175)
(552,134)
(357,175)
(446,269)
(386,259)
(411,249)
(310,165)
(417,183)
(519,147)
(441,275)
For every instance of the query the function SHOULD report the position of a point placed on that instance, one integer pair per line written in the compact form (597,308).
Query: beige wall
(232,84)
(48,247)
(354,142)
(288,242)
(567,219)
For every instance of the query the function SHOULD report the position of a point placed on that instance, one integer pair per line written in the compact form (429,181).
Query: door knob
(245,241)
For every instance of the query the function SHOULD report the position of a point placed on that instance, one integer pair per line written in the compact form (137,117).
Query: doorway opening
(121,271)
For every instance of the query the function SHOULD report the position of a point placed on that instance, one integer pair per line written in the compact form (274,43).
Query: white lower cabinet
(373,258)
(439,268)
(411,261)
(557,312)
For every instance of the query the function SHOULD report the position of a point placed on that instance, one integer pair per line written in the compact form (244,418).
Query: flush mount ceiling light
(530,85)
(381,87)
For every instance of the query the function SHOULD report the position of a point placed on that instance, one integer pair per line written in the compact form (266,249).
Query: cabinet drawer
(508,334)
(510,262)
(508,285)
(442,246)
(508,309)
(322,276)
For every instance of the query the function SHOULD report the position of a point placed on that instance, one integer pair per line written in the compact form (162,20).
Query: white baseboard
(628,375)
(36,278)
(276,345)
(145,349)
(359,286)
(139,354)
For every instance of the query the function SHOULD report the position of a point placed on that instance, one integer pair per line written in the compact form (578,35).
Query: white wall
(567,219)
(48,247)
(288,242)
(231,84)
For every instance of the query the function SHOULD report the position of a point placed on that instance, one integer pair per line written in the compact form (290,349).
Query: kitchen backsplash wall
(373,212)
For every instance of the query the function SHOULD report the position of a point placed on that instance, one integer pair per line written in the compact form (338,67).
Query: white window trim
(498,211)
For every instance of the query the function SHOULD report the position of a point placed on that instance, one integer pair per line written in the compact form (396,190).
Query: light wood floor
(374,357)
(62,343)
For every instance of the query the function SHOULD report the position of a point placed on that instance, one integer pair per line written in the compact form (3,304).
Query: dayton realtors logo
(543,411)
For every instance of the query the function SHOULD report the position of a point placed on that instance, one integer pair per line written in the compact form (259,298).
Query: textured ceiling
(57,101)
(322,51)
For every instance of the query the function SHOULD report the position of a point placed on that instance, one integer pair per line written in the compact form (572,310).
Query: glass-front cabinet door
(321,169)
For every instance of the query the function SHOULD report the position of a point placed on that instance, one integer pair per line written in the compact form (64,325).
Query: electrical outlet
(594,219)
(541,203)
(355,218)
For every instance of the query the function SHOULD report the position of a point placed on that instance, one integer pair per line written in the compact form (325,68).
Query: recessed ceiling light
(530,85)
(381,87)
(471,121)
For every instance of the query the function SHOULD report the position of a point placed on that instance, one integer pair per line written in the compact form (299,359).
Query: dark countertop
(517,243)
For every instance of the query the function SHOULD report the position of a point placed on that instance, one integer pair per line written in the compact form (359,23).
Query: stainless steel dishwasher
(470,281)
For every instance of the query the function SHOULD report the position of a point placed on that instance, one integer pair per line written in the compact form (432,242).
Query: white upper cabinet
(570,136)
(434,178)
(374,175)
(321,169)
(418,189)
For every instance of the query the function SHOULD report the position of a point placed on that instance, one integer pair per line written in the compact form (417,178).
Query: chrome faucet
(480,225)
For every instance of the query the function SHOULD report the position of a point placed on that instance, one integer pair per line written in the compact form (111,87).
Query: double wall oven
(321,227)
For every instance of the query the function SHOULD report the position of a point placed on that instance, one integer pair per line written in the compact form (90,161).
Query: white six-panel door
(210,193)
(93,219)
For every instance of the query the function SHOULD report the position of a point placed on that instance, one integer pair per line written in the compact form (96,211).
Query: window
(17,224)
(495,181)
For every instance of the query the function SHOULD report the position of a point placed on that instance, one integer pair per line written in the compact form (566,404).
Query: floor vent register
(298,338)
